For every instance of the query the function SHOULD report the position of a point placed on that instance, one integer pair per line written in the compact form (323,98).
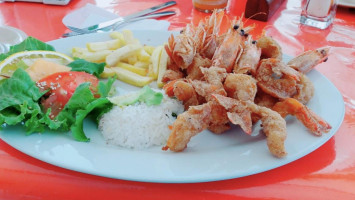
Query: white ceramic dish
(347,3)
(10,36)
(208,157)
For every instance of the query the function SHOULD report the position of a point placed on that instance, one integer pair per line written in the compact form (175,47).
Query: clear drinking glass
(318,13)
(208,6)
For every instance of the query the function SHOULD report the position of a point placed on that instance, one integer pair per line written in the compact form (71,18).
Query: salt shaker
(318,13)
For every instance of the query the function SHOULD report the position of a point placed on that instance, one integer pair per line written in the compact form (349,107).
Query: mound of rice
(140,126)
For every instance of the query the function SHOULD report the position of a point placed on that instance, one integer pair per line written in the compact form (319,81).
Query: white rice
(140,126)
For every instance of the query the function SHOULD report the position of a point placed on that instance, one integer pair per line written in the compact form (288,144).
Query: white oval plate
(347,3)
(209,157)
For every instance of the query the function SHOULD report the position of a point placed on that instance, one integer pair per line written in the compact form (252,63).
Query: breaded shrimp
(305,89)
(182,48)
(249,58)
(312,121)
(194,71)
(309,59)
(188,124)
(269,48)
(237,112)
(274,126)
(276,78)
(240,86)
(227,52)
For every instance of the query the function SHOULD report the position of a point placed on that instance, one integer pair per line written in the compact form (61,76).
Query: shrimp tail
(188,124)
(309,119)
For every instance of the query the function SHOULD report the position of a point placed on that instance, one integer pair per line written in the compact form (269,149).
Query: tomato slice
(61,87)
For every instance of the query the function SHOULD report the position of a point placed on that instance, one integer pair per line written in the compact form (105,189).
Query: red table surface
(326,173)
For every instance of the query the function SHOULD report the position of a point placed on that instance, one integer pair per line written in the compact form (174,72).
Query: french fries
(107,45)
(126,57)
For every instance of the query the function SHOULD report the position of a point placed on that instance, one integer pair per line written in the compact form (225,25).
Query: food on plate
(231,78)
(61,87)
(55,99)
(42,68)
(312,121)
(269,47)
(210,80)
(96,56)
(105,45)
(309,59)
(131,77)
(24,59)
(140,119)
(134,63)
(145,95)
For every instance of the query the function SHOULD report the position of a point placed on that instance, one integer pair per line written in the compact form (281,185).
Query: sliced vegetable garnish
(29,44)
(146,95)
(82,65)
(19,101)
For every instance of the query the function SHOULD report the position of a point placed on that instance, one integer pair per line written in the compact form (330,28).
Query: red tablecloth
(326,173)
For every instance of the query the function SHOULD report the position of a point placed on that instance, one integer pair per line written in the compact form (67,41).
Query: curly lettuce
(20,103)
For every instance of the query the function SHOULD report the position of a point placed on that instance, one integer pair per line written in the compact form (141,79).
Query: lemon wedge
(25,59)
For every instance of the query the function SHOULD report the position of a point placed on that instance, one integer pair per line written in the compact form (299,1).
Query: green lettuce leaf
(19,100)
(82,65)
(80,105)
(29,44)
(97,108)
(104,88)
(145,95)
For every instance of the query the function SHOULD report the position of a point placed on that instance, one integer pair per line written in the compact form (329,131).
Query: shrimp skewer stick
(309,119)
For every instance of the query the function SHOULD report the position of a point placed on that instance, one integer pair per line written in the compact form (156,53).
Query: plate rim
(210,178)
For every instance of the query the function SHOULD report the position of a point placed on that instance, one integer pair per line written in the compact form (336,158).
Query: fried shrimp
(249,58)
(312,121)
(276,78)
(194,71)
(182,48)
(227,52)
(185,93)
(309,59)
(240,86)
(210,38)
(237,112)
(269,48)
(188,124)
(274,126)
(305,89)
(230,79)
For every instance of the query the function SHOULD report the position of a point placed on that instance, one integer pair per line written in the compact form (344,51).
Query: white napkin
(91,15)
